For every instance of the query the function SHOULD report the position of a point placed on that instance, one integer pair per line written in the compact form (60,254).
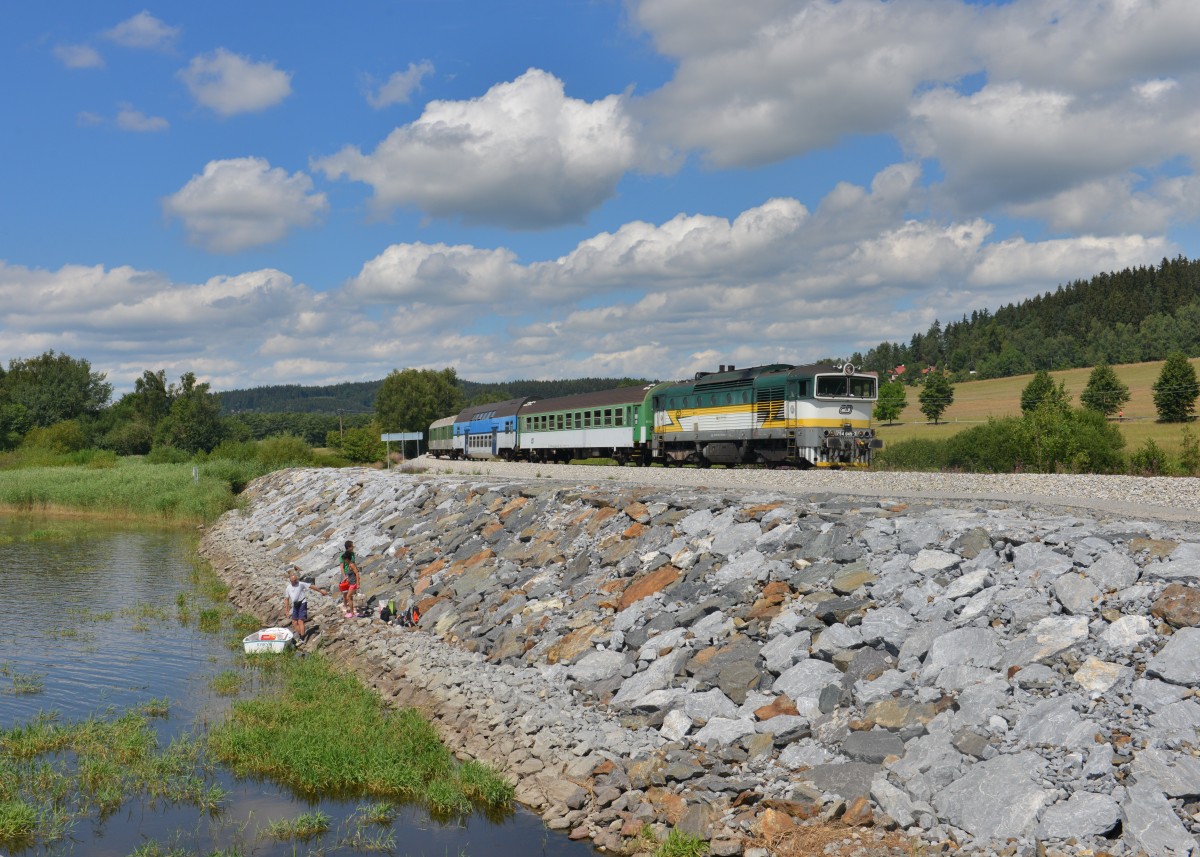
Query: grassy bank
(322,732)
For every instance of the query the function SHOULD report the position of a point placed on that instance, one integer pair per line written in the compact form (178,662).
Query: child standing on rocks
(350,578)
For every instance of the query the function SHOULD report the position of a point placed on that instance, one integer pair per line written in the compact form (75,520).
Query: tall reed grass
(164,492)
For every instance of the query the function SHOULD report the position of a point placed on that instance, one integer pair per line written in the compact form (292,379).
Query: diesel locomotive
(777,415)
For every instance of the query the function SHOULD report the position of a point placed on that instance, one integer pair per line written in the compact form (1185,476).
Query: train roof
(507,408)
(444,421)
(598,399)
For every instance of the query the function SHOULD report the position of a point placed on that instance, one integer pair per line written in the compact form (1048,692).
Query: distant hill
(1128,316)
(359,396)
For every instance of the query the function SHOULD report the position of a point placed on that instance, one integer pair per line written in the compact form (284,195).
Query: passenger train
(776,415)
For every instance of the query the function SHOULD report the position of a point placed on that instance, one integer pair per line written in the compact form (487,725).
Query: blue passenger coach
(488,430)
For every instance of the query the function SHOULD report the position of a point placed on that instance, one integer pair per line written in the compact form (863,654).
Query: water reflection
(97,619)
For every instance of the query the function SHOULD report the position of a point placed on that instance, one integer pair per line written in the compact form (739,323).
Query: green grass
(321,732)
(304,826)
(54,774)
(133,489)
(227,682)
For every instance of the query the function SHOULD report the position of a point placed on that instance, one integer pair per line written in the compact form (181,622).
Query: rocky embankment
(740,664)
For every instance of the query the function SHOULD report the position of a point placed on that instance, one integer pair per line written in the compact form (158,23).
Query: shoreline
(632,655)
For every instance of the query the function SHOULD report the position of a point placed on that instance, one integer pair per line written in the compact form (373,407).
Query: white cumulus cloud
(230,84)
(240,203)
(523,155)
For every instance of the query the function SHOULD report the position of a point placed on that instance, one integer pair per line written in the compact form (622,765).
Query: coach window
(559,421)
(608,416)
(620,416)
(587,419)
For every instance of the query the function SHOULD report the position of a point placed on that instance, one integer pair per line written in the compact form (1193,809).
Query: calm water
(90,612)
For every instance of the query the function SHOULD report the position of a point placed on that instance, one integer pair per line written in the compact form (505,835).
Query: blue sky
(283,192)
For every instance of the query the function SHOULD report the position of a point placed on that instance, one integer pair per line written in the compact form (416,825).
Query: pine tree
(1105,392)
(1176,389)
(1043,391)
(936,396)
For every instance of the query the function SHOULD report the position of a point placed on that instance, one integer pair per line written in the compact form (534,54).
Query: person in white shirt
(297,601)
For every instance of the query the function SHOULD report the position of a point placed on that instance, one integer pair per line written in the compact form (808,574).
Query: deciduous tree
(892,400)
(936,396)
(1176,389)
(411,399)
(56,387)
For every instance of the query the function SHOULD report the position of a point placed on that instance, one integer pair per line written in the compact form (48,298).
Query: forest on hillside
(1129,316)
(359,397)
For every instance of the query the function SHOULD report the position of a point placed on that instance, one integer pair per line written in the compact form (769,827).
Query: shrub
(129,439)
(164,454)
(276,453)
(1189,455)
(915,454)
(1149,460)
(996,447)
(62,437)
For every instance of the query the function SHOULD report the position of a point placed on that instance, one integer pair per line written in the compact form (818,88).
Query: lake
(98,619)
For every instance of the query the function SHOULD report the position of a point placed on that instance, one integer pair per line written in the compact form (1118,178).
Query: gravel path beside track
(1161,498)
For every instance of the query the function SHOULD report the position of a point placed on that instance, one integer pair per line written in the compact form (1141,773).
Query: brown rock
(638,511)
(516,504)
(1178,606)
(781,704)
(633,531)
(801,810)
(858,813)
(1158,548)
(572,645)
(774,825)
(649,584)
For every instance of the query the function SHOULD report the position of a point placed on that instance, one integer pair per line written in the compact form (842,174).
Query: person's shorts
(300,610)
(353,588)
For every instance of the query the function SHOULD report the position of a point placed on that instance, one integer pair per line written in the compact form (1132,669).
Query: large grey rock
(1055,722)
(660,674)
(1113,571)
(1181,570)
(895,802)
(597,666)
(785,650)
(804,681)
(1078,595)
(928,561)
(1149,823)
(707,705)
(971,802)
(1084,814)
(977,647)
(847,779)
(1038,560)
(1176,775)
(1126,632)
(1048,638)
(724,731)
(967,584)
(873,746)
(1179,660)
(887,625)
(736,539)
